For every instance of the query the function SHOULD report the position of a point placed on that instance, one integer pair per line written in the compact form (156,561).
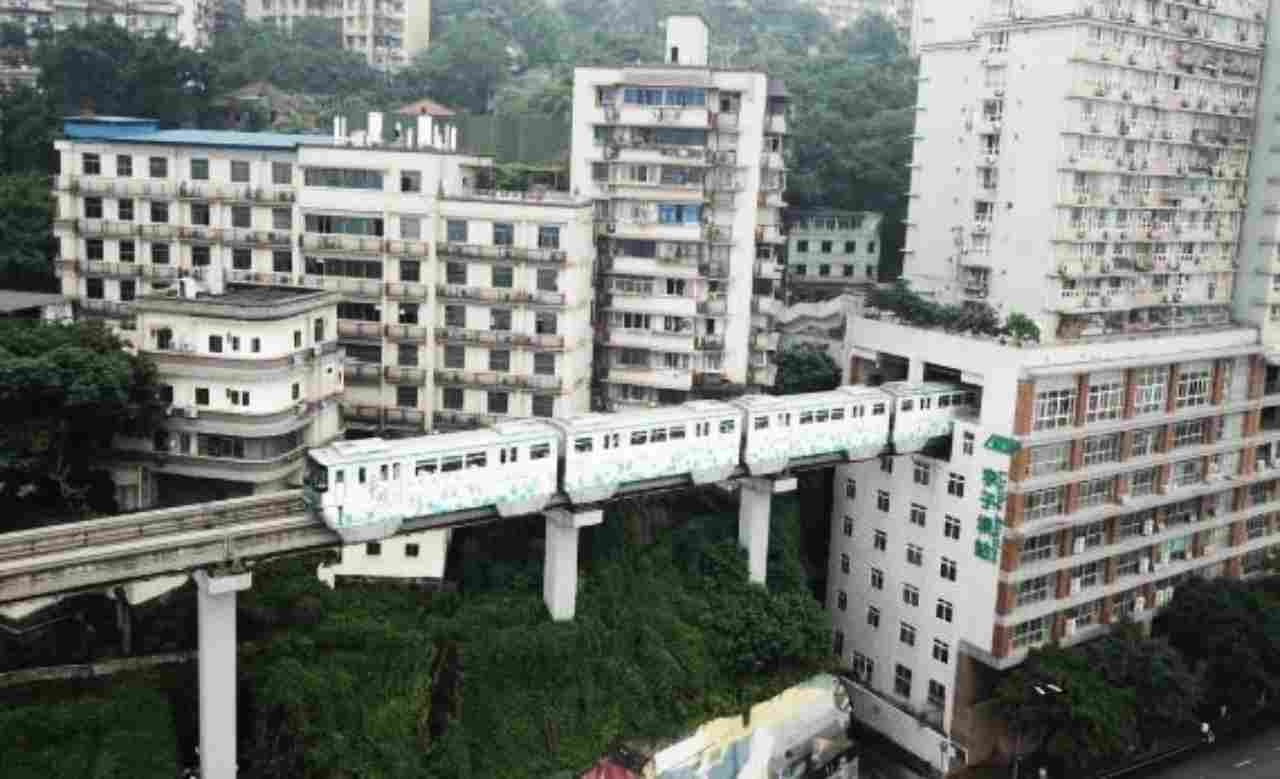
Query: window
(124,166)
(947,569)
(1144,443)
(937,694)
(282,173)
(500,360)
(844,562)
(918,514)
(921,473)
(863,667)
(1037,549)
(281,219)
(282,261)
(910,595)
(453,398)
(850,489)
(91,165)
(907,633)
(499,402)
(544,364)
(837,643)
(967,443)
(456,231)
(1053,458)
(941,651)
(407,396)
(241,216)
(915,554)
(124,210)
(1095,492)
(200,214)
(342,178)
(955,485)
(215,344)
(944,610)
(455,357)
(1055,409)
(877,579)
(1032,591)
(1043,503)
(842,600)
(1193,388)
(160,253)
(1101,449)
(93,208)
(202,396)
(1151,384)
(93,288)
(373,548)
(951,528)
(200,169)
(826,247)
(548,237)
(159,167)
(455,316)
(128,251)
(1189,433)
(1031,633)
(1105,401)
(93,249)
(873,616)
(503,276)
(902,680)
(128,289)
(500,319)
(410,181)
(411,550)
(882,500)
(1186,473)
(240,171)
(880,540)
(159,212)
(241,259)
(200,256)
(886,464)
(848,527)
(297,390)
(504,234)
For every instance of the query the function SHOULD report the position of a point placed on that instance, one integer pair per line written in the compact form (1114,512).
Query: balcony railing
(400,374)
(353,329)
(358,244)
(392,416)
(533,197)
(407,332)
(495,379)
(500,338)
(362,372)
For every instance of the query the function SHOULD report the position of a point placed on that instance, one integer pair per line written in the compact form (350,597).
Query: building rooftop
(221,138)
(12,300)
(240,302)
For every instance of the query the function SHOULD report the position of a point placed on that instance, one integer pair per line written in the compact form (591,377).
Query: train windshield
(317,476)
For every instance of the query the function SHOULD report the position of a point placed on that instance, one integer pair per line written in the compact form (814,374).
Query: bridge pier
(216,619)
(560,571)
(755,500)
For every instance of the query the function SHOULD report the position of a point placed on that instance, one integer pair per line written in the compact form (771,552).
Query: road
(1249,757)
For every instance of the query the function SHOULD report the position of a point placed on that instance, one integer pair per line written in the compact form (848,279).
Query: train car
(364,490)
(924,411)
(603,452)
(849,421)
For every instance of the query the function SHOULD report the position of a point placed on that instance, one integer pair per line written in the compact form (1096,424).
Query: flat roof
(241,302)
(19,300)
(837,395)
(909,389)
(223,138)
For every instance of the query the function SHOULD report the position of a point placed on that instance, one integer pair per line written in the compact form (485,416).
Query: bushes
(976,318)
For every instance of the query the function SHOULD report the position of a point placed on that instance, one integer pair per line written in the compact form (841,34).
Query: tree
(463,68)
(66,391)
(1166,689)
(1088,722)
(27,125)
(806,368)
(12,36)
(26,238)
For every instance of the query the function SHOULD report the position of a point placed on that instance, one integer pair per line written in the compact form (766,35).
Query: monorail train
(364,490)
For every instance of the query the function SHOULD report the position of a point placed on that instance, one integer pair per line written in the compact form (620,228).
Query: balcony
(400,374)
(775,123)
(769,234)
(713,307)
(354,244)
(504,253)
(764,375)
(537,342)
(362,372)
(668,305)
(99,227)
(159,272)
(768,269)
(406,290)
(518,197)
(112,309)
(384,416)
(649,376)
(258,237)
(408,248)
(709,343)
(124,270)
(768,306)
(765,342)
(498,380)
(407,332)
(653,340)
(714,270)
(663,116)
(348,328)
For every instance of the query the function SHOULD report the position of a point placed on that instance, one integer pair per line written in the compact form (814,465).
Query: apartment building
(252,376)
(1085,164)
(387,32)
(140,16)
(685,165)
(1099,181)
(830,253)
(457,305)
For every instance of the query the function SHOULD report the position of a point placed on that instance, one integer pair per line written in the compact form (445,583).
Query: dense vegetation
(1216,645)
(65,392)
(392,683)
(806,368)
(976,318)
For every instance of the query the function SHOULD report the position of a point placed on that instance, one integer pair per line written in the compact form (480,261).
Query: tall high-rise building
(685,165)
(387,32)
(1086,164)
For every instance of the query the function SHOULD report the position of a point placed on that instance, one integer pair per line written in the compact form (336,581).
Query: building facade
(144,17)
(387,32)
(252,376)
(830,253)
(457,305)
(684,163)
(1100,179)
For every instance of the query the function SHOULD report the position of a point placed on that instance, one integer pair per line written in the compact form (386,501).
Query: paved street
(1250,757)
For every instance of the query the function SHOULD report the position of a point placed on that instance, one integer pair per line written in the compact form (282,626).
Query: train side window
(584,444)
(925,403)
(539,451)
(658,436)
(449,464)
(360,475)
(395,471)
(677,433)
(944,401)
(639,437)
(339,476)
(784,419)
(762,423)
(613,438)
(837,414)
(507,455)
(727,426)
(384,472)
(477,459)
(515,454)
(877,410)
(907,405)
(424,467)
(806,417)
(820,415)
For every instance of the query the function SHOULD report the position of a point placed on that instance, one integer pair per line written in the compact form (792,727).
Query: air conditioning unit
(1075,585)
(1139,603)
(1077,547)
(1207,550)
(1148,527)
(1145,565)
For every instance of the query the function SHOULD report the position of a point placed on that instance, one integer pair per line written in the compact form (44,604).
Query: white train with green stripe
(365,490)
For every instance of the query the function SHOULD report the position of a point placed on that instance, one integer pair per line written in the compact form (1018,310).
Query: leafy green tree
(27,125)
(12,36)
(463,68)
(806,368)
(66,391)
(26,239)
(1087,723)
(307,59)
(1166,689)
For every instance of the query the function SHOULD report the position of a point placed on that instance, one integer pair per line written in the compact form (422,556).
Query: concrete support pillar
(915,371)
(755,498)
(560,569)
(216,615)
